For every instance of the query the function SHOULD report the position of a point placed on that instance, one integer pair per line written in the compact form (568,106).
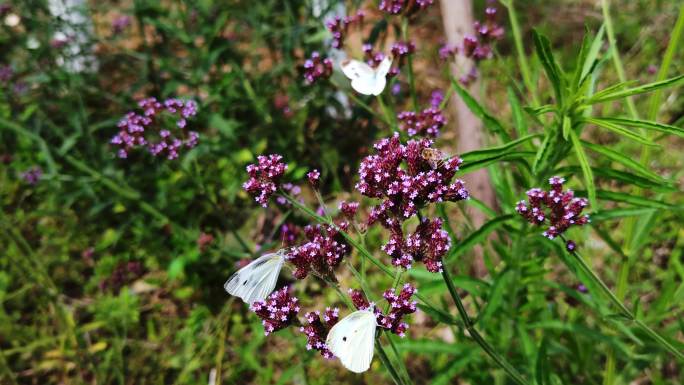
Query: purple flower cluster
(264,177)
(339,26)
(278,311)
(428,244)
(425,179)
(436,98)
(33,175)
(317,330)
(425,123)
(404,191)
(560,209)
(289,234)
(136,130)
(478,46)
(291,189)
(123,274)
(348,209)
(120,23)
(314,177)
(402,49)
(316,68)
(323,251)
(400,305)
(6,73)
(395,7)
(447,51)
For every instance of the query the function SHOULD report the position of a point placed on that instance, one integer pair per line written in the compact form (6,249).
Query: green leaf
(586,168)
(591,59)
(553,71)
(476,108)
(566,127)
(438,315)
(648,125)
(518,117)
(623,176)
(542,370)
(544,152)
(496,295)
(624,160)
(518,156)
(493,152)
(605,215)
(634,200)
(615,95)
(477,236)
(620,130)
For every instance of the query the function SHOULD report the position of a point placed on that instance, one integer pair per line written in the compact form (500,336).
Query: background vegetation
(112,269)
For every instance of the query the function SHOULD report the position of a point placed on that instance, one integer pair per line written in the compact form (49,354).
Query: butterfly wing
(352,340)
(363,77)
(256,281)
(381,75)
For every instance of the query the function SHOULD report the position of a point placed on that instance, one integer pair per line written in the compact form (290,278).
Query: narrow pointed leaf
(477,236)
(620,130)
(586,168)
(624,160)
(648,125)
(606,97)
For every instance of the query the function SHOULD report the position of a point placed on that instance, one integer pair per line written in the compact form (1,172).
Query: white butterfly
(256,281)
(352,340)
(365,79)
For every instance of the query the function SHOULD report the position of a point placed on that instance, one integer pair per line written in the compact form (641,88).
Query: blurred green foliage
(71,313)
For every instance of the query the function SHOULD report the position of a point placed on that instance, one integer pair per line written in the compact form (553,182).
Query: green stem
(493,354)
(404,372)
(388,117)
(520,49)
(361,103)
(619,68)
(409,62)
(385,360)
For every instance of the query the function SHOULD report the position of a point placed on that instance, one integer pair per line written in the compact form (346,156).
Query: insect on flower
(257,280)
(434,157)
(352,340)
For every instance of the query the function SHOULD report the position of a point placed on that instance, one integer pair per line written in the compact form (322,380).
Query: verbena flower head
(33,175)
(428,244)
(314,177)
(557,209)
(289,234)
(278,311)
(400,305)
(402,49)
(395,7)
(425,123)
(291,189)
(406,179)
(348,209)
(120,23)
(447,51)
(6,73)
(146,130)
(436,98)
(264,177)
(322,253)
(317,67)
(317,330)
(339,26)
